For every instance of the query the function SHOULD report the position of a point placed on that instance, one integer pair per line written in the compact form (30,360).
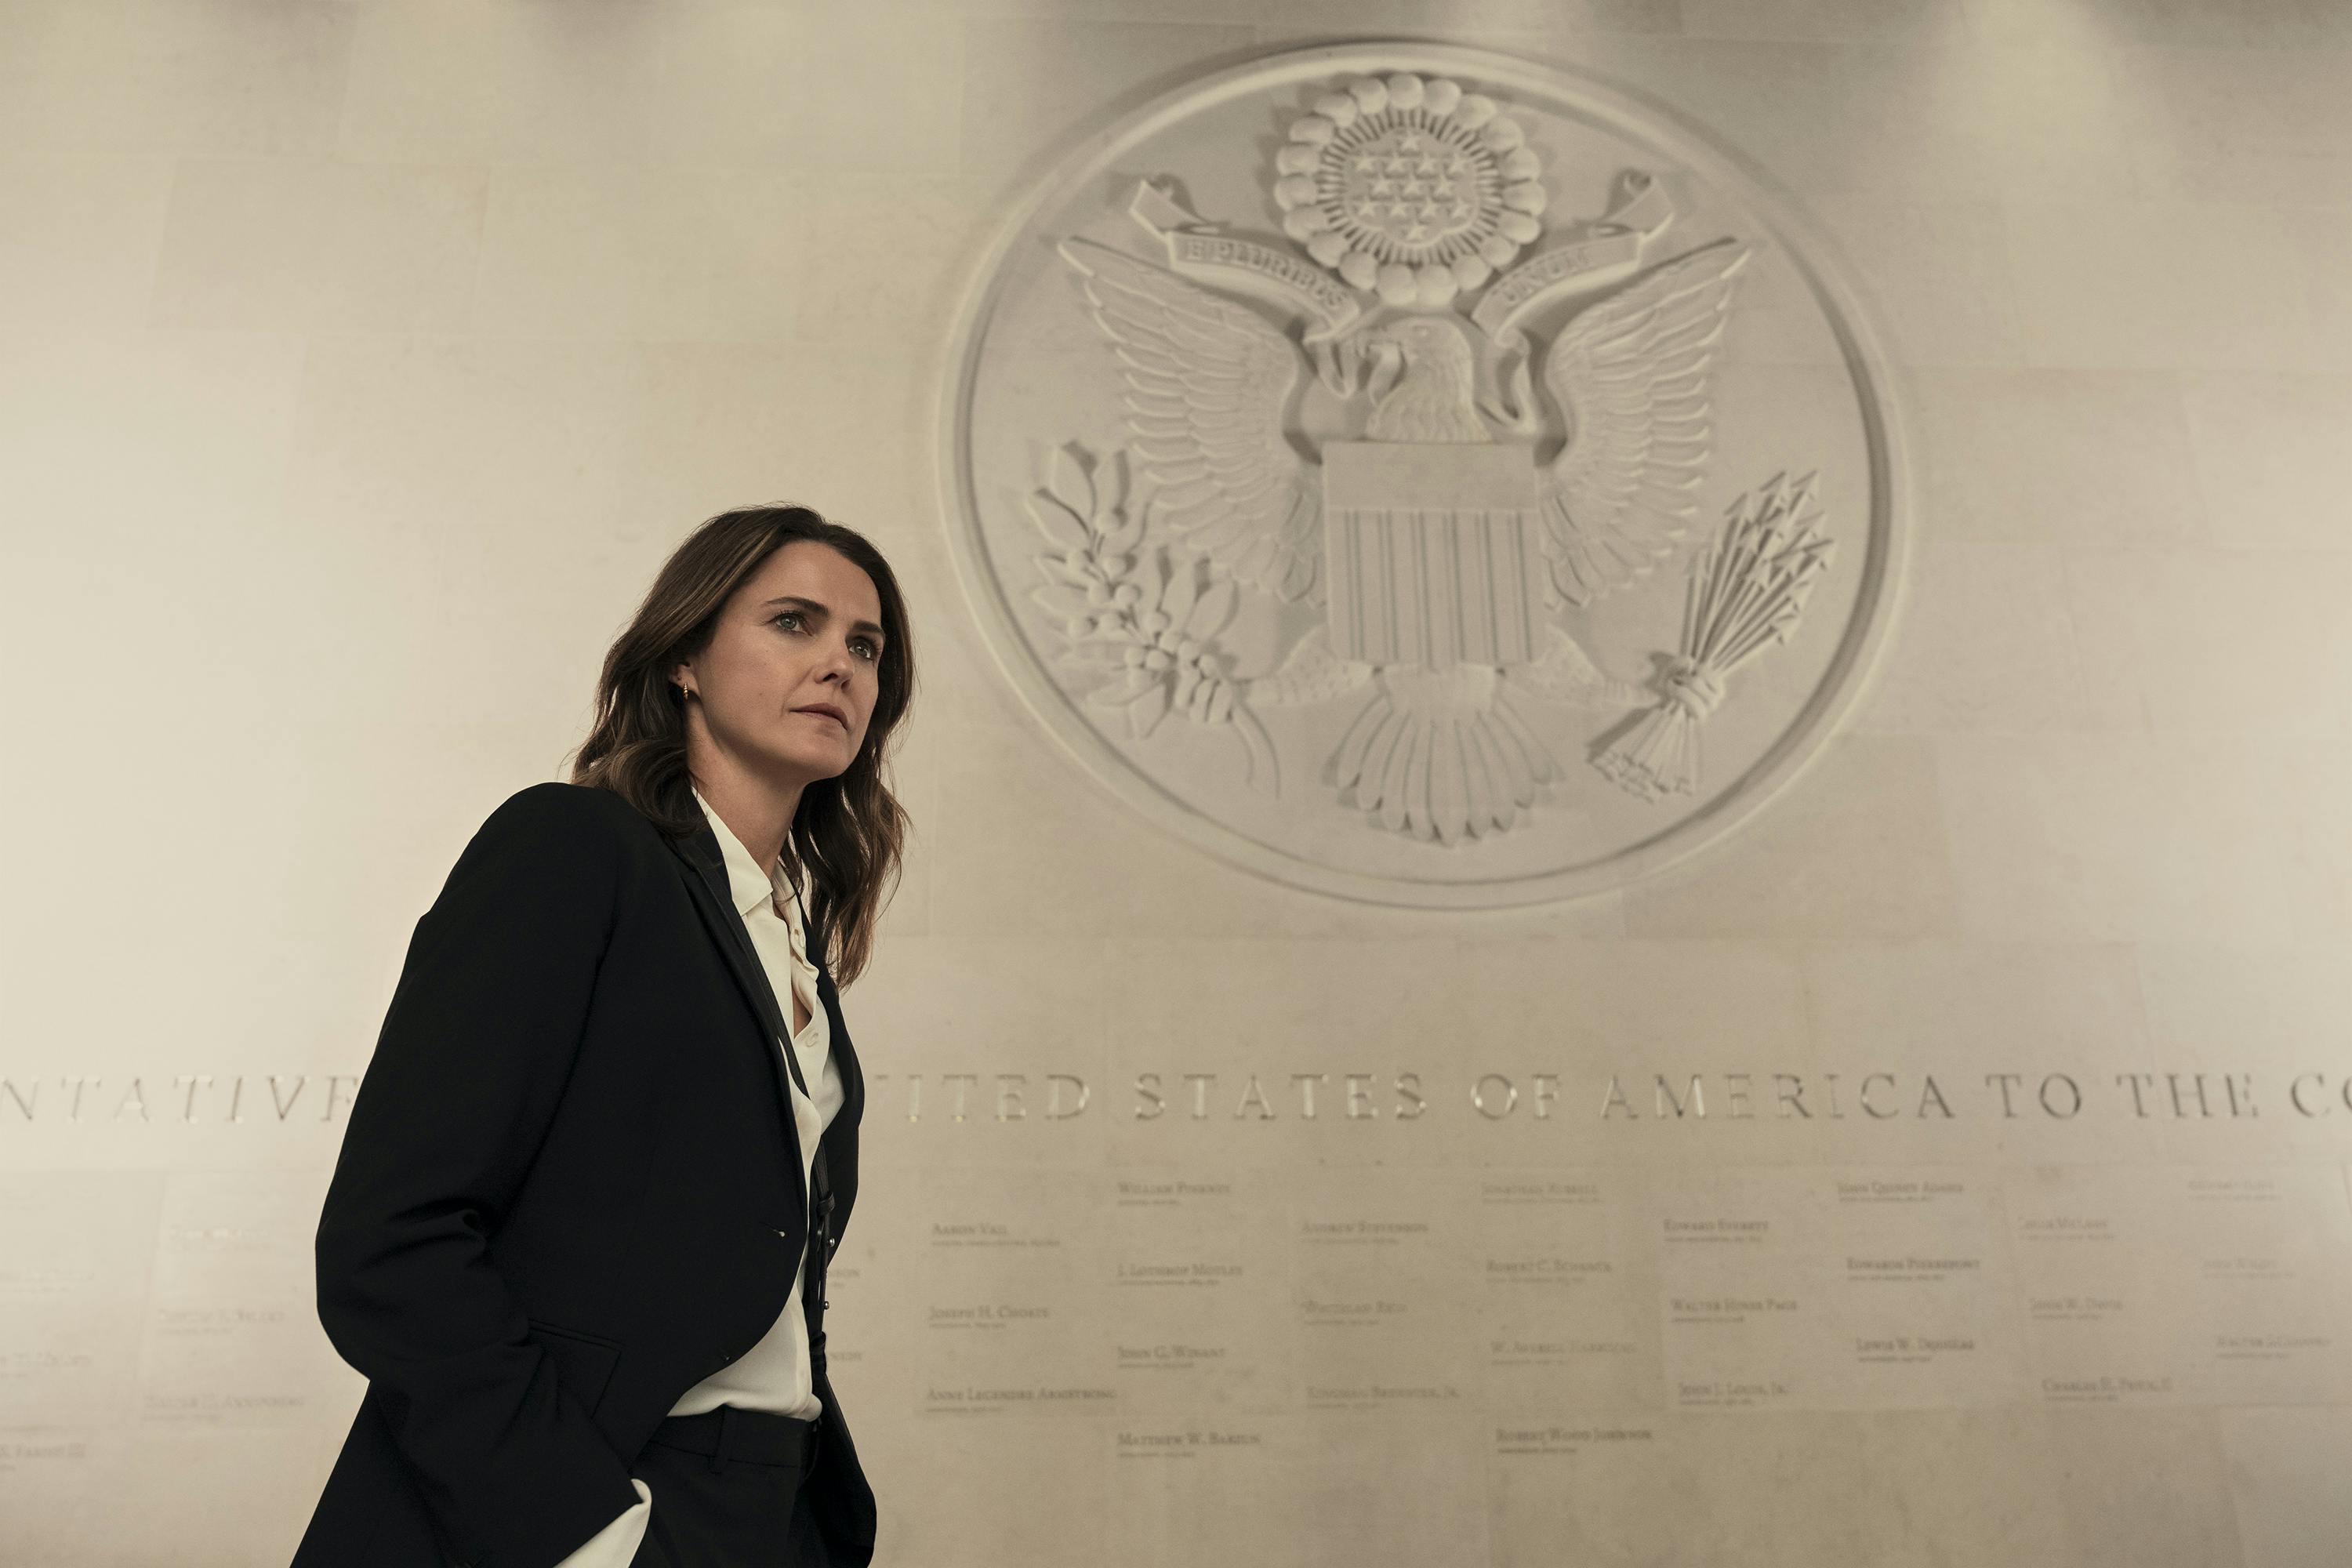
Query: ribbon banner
(1612,247)
(1200,252)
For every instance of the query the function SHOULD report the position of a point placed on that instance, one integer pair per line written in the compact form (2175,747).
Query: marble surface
(366,358)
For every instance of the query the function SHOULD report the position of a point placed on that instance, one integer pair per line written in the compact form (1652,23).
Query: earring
(684,692)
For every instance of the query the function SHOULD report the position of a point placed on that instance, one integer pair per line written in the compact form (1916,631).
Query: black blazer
(569,1190)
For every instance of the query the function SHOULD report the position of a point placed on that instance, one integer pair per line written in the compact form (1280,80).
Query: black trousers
(727,1492)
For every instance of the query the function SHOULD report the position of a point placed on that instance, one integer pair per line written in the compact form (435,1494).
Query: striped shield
(1432,552)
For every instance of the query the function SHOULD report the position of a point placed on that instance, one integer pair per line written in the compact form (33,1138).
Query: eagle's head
(1423,382)
(1436,342)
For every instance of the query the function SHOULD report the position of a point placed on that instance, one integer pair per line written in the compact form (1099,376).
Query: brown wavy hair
(848,830)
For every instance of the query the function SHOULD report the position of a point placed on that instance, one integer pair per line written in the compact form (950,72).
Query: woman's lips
(821,713)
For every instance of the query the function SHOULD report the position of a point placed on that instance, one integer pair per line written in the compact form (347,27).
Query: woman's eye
(872,652)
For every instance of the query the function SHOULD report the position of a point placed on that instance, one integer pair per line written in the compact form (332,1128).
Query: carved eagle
(1210,385)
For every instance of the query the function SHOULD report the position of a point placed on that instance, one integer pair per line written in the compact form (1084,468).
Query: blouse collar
(750,887)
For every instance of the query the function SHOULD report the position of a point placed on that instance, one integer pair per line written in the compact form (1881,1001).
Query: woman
(576,1234)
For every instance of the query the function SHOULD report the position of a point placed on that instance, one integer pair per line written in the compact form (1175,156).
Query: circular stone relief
(1422,476)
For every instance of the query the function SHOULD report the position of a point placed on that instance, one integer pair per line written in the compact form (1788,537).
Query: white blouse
(773,1374)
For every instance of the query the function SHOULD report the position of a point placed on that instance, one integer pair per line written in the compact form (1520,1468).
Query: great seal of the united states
(1423,476)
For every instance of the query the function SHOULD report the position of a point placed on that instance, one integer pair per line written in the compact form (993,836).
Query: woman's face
(803,634)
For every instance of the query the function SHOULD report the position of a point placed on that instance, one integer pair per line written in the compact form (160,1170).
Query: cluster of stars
(1411,191)
(1409,187)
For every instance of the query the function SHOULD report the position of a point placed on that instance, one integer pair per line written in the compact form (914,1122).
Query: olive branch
(1148,624)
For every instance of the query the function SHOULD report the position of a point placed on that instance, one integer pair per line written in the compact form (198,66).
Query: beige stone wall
(361,361)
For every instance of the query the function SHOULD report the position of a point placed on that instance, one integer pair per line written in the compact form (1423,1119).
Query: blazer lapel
(705,871)
(845,1055)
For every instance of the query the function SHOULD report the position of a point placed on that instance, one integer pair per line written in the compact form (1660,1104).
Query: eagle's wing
(1207,381)
(1631,376)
